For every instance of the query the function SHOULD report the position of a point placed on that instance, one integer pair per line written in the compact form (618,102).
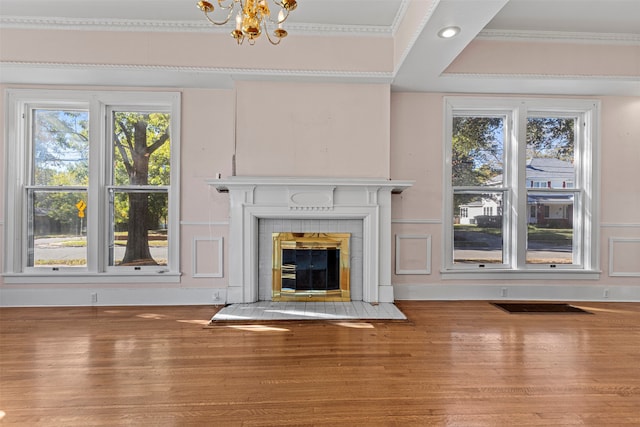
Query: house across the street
(549,204)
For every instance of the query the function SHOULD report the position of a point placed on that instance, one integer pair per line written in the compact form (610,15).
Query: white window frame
(586,204)
(18,103)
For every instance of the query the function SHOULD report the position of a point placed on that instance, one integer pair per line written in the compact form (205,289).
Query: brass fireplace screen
(311,267)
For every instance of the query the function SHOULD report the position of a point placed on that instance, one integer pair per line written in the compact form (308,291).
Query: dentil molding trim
(54,23)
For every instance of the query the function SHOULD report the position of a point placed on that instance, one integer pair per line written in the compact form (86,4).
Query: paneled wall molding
(218,247)
(615,244)
(426,262)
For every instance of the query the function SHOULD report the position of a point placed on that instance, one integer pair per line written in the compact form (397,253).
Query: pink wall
(620,160)
(531,58)
(196,49)
(206,150)
(302,129)
(416,153)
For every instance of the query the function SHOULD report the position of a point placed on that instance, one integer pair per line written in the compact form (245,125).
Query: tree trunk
(137,251)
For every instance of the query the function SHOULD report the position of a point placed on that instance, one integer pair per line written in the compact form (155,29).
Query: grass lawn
(552,236)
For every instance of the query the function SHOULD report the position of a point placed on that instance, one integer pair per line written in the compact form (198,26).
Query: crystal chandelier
(252,18)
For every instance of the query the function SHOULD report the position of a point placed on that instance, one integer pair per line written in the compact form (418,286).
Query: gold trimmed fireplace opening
(311,267)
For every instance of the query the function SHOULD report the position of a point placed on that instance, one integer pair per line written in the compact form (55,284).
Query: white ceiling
(420,67)
(584,16)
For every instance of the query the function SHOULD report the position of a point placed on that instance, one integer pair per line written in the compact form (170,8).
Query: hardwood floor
(451,364)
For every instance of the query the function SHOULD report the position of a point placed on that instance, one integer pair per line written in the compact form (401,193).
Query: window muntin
(51,183)
(562,133)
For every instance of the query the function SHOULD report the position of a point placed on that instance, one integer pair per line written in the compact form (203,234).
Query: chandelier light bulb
(281,19)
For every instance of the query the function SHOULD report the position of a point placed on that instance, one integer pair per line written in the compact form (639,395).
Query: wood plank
(451,363)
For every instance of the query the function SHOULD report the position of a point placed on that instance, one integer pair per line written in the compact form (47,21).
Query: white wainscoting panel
(206,257)
(413,254)
(624,257)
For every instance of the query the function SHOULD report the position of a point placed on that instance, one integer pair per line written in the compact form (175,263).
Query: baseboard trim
(559,292)
(65,297)
(68,297)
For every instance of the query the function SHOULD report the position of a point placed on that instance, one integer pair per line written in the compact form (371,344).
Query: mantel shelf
(224,184)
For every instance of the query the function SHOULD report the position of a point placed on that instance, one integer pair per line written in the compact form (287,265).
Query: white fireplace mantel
(253,198)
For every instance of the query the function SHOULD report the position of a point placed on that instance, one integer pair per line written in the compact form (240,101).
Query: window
(57,185)
(93,177)
(519,157)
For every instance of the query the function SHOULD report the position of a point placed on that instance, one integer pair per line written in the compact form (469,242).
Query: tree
(477,150)
(61,144)
(476,155)
(137,136)
(550,137)
(60,159)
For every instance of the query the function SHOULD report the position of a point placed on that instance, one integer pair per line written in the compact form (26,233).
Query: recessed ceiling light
(448,32)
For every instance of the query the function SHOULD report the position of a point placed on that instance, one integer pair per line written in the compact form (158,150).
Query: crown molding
(416,34)
(402,11)
(538,84)
(53,23)
(234,72)
(560,37)
(608,77)
(225,70)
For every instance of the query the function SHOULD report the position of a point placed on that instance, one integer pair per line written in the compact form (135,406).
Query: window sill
(496,274)
(84,277)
